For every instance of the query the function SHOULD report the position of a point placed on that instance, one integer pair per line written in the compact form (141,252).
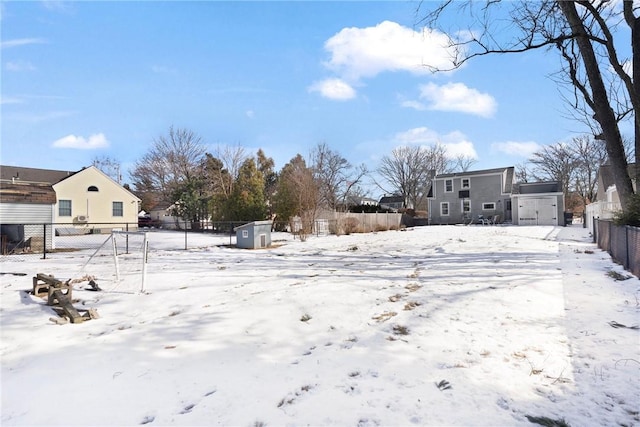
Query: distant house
(392,202)
(354,201)
(465,197)
(538,203)
(607,201)
(85,199)
(162,215)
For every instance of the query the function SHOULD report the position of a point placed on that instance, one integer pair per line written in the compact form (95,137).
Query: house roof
(28,193)
(15,175)
(48,176)
(391,199)
(605,174)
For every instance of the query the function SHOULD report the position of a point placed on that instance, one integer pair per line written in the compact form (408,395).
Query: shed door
(263,240)
(537,211)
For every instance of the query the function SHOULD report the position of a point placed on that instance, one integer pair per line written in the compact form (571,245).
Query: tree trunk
(603,113)
(635,43)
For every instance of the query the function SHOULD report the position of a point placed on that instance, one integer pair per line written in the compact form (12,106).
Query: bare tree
(463,163)
(297,193)
(555,162)
(583,34)
(589,155)
(523,172)
(109,166)
(232,159)
(335,176)
(172,161)
(408,172)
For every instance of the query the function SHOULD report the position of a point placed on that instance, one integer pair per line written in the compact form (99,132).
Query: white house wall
(96,206)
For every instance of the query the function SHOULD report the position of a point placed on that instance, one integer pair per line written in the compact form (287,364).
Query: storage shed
(254,235)
(538,203)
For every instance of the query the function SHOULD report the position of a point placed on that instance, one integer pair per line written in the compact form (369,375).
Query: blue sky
(82,80)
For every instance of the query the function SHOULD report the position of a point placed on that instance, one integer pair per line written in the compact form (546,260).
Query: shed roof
(537,187)
(253,224)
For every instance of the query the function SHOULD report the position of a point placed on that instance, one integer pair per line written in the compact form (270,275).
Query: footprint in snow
(148,419)
(188,408)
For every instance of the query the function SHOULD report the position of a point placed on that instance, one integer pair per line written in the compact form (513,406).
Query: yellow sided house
(91,199)
(82,202)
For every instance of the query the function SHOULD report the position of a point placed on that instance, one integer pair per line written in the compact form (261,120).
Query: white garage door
(537,211)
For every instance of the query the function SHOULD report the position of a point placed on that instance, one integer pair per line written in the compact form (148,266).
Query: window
(92,188)
(491,206)
(466,206)
(448,185)
(444,209)
(466,183)
(64,208)
(245,234)
(118,209)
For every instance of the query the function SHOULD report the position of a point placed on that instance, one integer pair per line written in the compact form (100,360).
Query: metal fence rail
(621,242)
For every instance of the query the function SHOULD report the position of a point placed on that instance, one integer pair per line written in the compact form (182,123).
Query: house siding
(484,187)
(25,213)
(96,206)
(33,217)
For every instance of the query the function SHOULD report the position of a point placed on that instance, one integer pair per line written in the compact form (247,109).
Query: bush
(350,225)
(630,216)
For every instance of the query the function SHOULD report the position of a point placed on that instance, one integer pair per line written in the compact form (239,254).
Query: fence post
(44,241)
(185,235)
(627,260)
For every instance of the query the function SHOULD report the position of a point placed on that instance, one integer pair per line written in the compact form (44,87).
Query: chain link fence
(621,242)
(30,241)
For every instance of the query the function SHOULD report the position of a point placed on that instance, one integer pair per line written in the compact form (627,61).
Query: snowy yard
(442,325)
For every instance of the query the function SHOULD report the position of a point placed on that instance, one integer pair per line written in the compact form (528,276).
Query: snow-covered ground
(442,325)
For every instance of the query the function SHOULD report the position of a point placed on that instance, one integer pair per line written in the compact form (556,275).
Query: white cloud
(336,89)
(21,42)
(458,97)
(19,66)
(455,142)
(515,148)
(78,142)
(416,105)
(366,52)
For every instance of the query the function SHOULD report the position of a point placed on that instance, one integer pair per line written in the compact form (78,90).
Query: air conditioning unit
(83,218)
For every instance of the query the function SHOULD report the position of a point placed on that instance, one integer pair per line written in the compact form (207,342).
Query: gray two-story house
(470,197)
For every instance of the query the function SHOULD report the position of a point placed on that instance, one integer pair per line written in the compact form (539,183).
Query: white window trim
(462,180)
(445,186)
(245,234)
(442,205)
(485,206)
(468,206)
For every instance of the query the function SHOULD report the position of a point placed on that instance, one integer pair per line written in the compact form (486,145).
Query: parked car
(148,222)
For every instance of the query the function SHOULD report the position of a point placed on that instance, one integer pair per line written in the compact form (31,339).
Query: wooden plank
(69,309)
